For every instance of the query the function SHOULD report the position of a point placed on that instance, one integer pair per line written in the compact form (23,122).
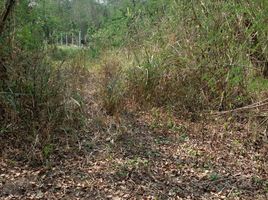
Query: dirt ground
(136,161)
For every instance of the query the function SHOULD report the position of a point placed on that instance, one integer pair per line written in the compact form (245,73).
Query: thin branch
(252,106)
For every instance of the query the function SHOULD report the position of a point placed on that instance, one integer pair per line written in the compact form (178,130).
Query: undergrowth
(40,99)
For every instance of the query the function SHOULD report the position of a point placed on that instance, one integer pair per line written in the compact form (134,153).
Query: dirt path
(135,162)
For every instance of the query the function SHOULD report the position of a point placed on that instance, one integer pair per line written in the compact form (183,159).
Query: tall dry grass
(197,57)
(40,99)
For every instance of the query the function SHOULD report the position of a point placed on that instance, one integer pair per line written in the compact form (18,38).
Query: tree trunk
(9,5)
(6,12)
(265,70)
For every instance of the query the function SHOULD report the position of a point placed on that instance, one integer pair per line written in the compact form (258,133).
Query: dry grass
(39,100)
(111,85)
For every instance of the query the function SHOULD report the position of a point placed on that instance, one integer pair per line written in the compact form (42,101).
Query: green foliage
(125,20)
(29,37)
(213,177)
(258,85)
(47,150)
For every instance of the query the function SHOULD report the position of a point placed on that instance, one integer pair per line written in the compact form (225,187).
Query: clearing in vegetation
(133,99)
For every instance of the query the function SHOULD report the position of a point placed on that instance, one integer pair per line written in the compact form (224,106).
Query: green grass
(65,52)
(258,85)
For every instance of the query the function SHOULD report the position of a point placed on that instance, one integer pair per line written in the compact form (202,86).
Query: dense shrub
(38,98)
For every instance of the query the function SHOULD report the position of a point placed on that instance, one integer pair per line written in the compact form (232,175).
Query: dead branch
(248,107)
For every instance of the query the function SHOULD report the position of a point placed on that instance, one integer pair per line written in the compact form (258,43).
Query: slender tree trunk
(72,39)
(79,39)
(61,39)
(5,14)
(265,70)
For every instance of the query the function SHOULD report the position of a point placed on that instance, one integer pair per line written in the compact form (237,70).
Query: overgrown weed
(111,86)
(39,99)
(198,58)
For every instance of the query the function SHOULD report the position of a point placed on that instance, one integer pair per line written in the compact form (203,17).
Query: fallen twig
(248,107)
